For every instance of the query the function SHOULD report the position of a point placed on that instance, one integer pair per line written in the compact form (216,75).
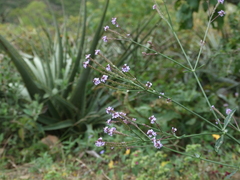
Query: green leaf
(185,17)
(228,118)
(21,133)
(75,67)
(59,125)
(46,120)
(26,73)
(78,97)
(193,4)
(218,143)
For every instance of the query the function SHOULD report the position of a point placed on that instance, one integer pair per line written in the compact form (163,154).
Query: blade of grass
(78,97)
(78,59)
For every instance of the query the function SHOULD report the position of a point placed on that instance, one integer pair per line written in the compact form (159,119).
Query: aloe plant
(53,75)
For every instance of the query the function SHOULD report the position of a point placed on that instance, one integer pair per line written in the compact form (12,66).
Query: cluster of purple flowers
(105,39)
(125,68)
(114,22)
(109,131)
(152,119)
(108,68)
(110,110)
(157,143)
(97,51)
(106,28)
(228,111)
(99,142)
(103,79)
(85,64)
(151,133)
(149,84)
(221,13)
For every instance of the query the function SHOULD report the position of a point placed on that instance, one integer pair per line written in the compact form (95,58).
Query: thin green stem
(207,160)
(233,138)
(157,53)
(205,96)
(191,135)
(205,36)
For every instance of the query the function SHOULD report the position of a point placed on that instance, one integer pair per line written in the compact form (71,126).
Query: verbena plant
(53,71)
(138,134)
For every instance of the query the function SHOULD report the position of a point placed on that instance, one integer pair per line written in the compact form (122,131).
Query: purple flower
(174,129)
(102,152)
(109,110)
(228,111)
(109,131)
(105,129)
(85,64)
(134,119)
(122,114)
(151,133)
(106,28)
(109,121)
(97,52)
(87,56)
(225,105)
(161,94)
(108,68)
(99,142)
(105,39)
(154,6)
(152,119)
(221,1)
(115,115)
(157,144)
(221,13)
(148,84)
(104,78)
(125,68)
(114,21)
(236,94)
(96,81)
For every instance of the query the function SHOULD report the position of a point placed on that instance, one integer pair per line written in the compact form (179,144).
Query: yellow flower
(64,174)
(127,152)
(110,164)
(216,136)
(164,163)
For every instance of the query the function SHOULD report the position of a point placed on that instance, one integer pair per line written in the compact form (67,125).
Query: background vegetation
(48,128)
